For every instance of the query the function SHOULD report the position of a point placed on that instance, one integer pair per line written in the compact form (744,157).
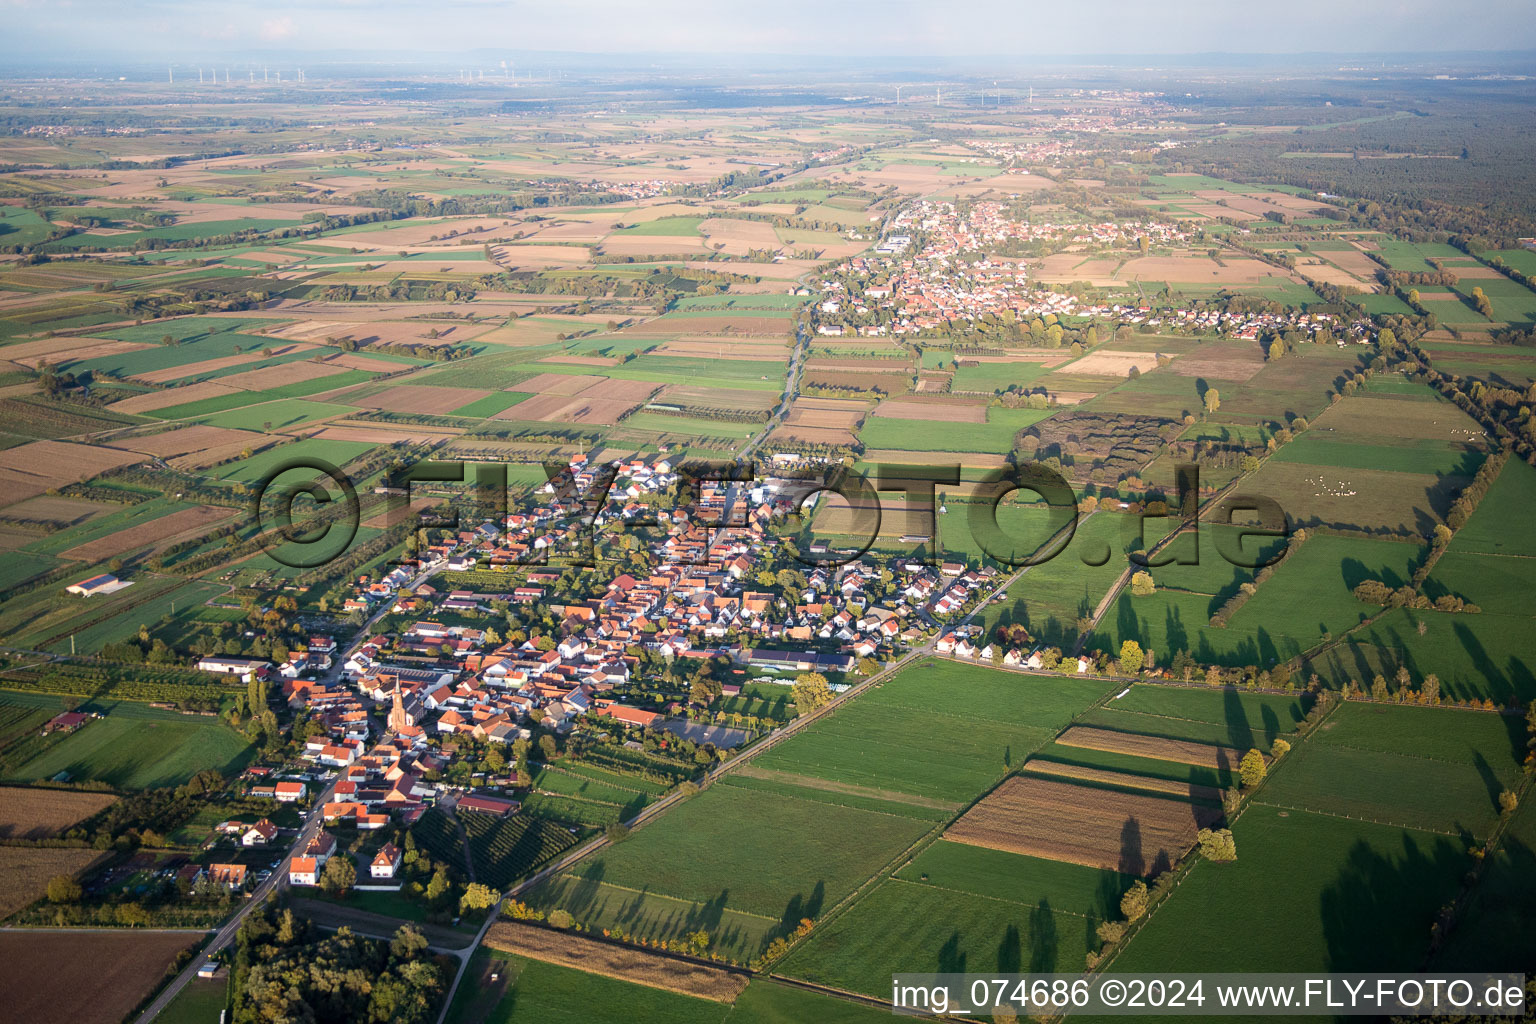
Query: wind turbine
(898,95)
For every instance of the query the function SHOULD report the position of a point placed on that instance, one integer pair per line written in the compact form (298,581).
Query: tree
(1131,657)
(339,874)
(1507,804)
(1279,749)
(1217,844)
(478,896)
(810,692)
(436,888)
(1251,769)
(1212,400)
(616,832)
(1134,903)
(1276,350)
(408,943)
(547,747)
(1142,585)
(704,691)
(64,889)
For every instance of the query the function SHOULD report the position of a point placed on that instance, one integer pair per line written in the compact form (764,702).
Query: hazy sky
(1018,28)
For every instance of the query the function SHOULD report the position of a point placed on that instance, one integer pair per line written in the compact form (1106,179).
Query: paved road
(226,935)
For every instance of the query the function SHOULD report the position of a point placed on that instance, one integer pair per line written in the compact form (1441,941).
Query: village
(939,269)
(560,664)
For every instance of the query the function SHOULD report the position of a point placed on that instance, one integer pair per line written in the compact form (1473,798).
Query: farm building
(245,668)
(67,721)
(106,583)
(488,805)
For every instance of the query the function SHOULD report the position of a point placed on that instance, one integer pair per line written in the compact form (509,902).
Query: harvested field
(814,435)
(692,396)
(43,813)
(738,237)
(30,352)
(84,978)
(172,396)
(188,439)
(722,349)
(942,410)
(384,434)
(984,460)
(1125,780)
(30,469)
(421,399)
(614,961)
(77,352)
(605,402)
(1113,364)
(1198,269)
(207,366)
(27,869)
(826,412)
(277,376)
(559,383)
(1202,755)
(582,360)
(353,361)
(889,383)
(835,364)
(1066,267)
(1098,828)
(188,522)
(57,510)
(1221,362)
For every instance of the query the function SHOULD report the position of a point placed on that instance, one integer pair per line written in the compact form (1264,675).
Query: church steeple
(399,719)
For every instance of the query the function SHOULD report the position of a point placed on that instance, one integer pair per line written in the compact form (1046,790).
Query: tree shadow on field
(583,895)
(1178,636)
(1044,943)
(1132,861)
(1010,952)
(800,907)
(1378,912)
(951,956)
(1271,725)
(1239,731)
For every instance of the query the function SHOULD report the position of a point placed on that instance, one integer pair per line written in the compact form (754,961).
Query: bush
(561,919)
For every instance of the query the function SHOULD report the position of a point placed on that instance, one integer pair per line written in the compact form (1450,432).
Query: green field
(1493,933)
(543,993)
(1227,716)
(1510,498)
(1308,892)
(255,468)
(905,926)
(285,412)
(671,227)
(200,1002)
(491,404)
(996,436)
(885,740)
(736,862)
(960,867)
(131,753)
(1474,655)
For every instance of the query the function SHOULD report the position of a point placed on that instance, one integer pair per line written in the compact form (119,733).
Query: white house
(386,862)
